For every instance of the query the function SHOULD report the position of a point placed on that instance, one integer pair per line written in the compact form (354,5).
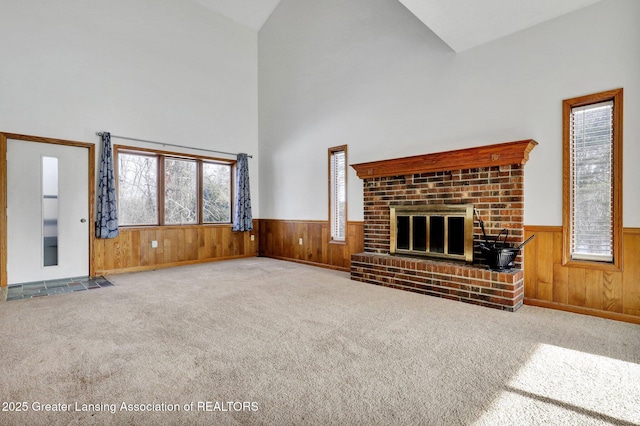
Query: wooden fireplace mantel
(501,154)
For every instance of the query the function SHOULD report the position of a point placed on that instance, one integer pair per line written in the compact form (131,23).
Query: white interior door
(47,211)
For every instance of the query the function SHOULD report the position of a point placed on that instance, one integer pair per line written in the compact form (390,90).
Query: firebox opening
(440,231)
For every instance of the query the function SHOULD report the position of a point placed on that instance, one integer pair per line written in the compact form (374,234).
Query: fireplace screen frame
(433,210)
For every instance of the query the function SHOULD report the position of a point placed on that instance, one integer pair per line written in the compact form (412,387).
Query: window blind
(592,182)
(338,195)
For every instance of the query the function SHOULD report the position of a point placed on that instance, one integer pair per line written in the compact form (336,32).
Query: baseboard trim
(170,265)
(582,310)
(306,262)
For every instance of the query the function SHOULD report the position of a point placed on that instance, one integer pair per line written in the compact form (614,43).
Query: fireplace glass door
(442,231)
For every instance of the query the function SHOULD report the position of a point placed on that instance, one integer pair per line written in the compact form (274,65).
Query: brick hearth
(464,283)
(494,185)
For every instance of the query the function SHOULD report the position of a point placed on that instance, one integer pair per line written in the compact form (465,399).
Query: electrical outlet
(253,237)
(300,241)
(154,244)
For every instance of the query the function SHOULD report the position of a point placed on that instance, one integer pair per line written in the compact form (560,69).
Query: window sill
(338,242)
(188,225)
(600,266)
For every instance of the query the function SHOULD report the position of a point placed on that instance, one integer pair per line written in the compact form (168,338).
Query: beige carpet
(262,341)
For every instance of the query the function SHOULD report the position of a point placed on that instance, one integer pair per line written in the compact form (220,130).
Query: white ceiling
(462,24)
(250,13)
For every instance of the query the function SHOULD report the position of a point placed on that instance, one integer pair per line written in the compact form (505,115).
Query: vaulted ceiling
(250,13)
(462,24)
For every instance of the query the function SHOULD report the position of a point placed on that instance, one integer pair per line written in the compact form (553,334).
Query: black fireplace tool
(500,254)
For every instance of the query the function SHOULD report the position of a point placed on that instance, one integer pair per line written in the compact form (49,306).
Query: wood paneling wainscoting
(607,294)
(177,245)
(280,239)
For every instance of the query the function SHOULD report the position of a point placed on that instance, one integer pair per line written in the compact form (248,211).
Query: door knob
(83,220)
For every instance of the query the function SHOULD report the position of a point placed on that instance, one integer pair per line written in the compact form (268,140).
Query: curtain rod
(171,144)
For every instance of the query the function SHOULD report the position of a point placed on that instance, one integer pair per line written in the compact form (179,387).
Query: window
(338,193)
(137,189)
(216,185)
(592,191)
(180,191)
(159,188)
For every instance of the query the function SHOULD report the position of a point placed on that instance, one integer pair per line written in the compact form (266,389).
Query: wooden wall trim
(305,262)
(43,139)
(170,227)
(92,213)
(582,310)
(554,228)
(542,228)
(298,220)
(171,265)
(137,149)
(3,210)
(177,245)
(575,288)
(352,222)
(280,239)
(483,156)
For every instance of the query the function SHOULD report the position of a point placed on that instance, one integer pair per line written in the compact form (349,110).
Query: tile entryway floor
(47,288)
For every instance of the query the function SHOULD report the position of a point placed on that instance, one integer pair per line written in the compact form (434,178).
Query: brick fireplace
(491,178)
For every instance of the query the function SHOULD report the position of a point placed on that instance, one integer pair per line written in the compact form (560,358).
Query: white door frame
(3,194)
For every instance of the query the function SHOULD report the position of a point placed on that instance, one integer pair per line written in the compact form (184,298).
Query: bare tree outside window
(180,191)
(216,192)
(137,189)
(140,178)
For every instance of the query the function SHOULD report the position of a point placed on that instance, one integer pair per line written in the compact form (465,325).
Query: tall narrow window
(338,192)
(592,216)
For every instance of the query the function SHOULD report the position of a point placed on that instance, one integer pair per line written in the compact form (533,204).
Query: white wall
(168,70)
(368,74)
